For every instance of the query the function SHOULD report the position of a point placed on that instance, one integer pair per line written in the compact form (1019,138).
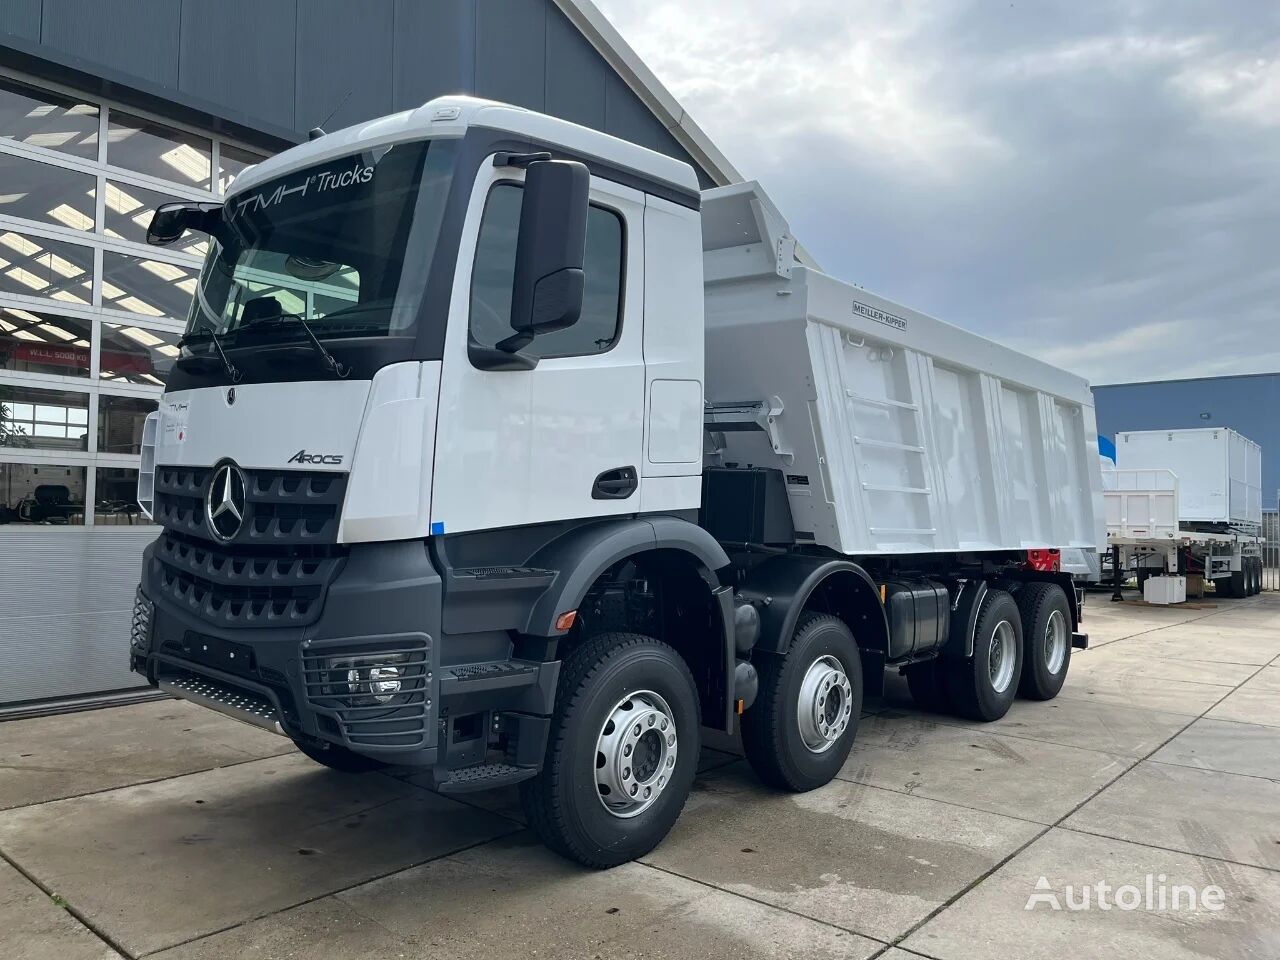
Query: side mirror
(546,292)
(171,220)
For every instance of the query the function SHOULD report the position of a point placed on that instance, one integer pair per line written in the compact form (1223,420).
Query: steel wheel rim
(635,754)
(825,706)
(1055,642)
(1002,655)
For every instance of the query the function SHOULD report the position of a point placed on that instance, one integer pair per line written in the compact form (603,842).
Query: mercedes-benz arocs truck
(496,448)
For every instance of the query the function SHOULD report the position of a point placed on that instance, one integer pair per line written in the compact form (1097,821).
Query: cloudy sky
(1094,183)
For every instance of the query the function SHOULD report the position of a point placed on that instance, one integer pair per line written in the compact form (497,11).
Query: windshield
(326,243)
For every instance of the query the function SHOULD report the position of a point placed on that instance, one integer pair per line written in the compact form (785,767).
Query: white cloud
(1245,88)
(1094,183)
(757,75)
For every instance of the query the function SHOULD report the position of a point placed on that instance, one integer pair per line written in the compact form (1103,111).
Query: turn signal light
(566,620)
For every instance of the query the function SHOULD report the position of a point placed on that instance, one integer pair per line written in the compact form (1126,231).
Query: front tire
(1046,632)
(339,758)
(799,733)
(608,793)
(983,687)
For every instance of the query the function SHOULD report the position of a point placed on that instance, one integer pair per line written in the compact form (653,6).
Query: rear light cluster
(1045,561)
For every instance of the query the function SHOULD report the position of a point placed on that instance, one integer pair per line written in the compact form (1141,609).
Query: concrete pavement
(164,830)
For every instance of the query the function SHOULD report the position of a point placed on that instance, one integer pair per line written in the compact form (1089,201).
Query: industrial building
(110,107)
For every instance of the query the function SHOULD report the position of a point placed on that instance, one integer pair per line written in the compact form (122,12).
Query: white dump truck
(1185,505)
(497,448)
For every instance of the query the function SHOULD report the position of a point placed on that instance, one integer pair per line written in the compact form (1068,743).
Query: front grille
(244,586)
(336,679)
(281,506)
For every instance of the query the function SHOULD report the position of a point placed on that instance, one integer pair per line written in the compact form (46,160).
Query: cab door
(565,439)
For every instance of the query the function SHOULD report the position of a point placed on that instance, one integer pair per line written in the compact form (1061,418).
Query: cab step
(485,776)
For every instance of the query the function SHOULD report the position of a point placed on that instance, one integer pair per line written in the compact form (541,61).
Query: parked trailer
(497,449)
(1186,503)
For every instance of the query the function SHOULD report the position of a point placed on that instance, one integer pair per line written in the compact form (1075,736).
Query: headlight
(366,680)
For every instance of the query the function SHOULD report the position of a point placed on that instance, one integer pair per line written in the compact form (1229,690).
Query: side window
(491,278)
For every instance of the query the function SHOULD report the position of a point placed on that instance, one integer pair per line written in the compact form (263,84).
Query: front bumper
(382,607)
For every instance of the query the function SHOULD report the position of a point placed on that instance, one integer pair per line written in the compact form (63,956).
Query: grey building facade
(109,107)
(1246,404)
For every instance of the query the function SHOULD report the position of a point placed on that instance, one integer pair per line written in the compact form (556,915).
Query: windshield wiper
(212,335)
(330,361)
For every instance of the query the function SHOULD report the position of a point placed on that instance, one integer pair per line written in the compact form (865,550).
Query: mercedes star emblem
(224,504)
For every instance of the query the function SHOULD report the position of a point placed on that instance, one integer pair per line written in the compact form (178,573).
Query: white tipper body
(897,433)
(911,436)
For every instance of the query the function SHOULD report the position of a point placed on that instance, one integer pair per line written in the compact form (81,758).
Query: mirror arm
(495,358)
(516,342)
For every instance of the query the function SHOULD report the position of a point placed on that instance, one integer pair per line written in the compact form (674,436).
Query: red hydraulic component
(1045,561)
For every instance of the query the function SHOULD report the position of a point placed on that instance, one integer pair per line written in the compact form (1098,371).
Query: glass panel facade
(41,118)
(42,493)
(34,419)
(133,354)
(152,288)
(46,193)
(116,501)
(32,266)
(120,421)
(232,161)
(39,342)
(90,316)
(158,151)
(126,213)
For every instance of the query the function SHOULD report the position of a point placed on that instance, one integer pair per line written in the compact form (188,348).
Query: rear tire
(983,687)
(1224,587)
(1255,576)
(572,805)
(800,730)
(1046,632)
(340,758)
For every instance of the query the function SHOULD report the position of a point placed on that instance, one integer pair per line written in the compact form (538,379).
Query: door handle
(616,484)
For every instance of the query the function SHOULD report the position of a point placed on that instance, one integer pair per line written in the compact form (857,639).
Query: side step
(498,675)
(1080,641)
(485,776)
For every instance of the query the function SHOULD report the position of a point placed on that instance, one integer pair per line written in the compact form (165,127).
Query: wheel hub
(825,706)
(1055,642)
(1002,656)
(635,754)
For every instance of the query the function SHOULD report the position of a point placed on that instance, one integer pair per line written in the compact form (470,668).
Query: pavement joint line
(1243,723)
(70,908)
(1156,846)
(145,783)
(958,723)
(898,946)
(965,806)
(1058,824)
(764,903)
(320,896)
(1228,773)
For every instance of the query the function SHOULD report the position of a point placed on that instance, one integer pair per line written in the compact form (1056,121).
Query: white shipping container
(897,432)
(1219,471)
